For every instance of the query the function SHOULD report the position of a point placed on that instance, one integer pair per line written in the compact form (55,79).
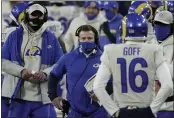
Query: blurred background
(8,5)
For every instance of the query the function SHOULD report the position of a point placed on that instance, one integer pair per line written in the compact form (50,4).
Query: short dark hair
(88,28)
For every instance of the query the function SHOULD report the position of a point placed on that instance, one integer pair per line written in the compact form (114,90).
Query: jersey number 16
(132,75)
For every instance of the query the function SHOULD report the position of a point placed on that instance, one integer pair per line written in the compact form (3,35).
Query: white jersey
(55,27)
(64,14)
(134,68)
(168,54)
(168,49)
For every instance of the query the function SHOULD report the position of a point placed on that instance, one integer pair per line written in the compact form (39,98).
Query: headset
(88,28)
(26,15)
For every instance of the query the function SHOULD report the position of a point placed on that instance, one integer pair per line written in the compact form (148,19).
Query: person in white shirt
(90,16)
(163,27)
(16,16)
(134,67)
(28,56)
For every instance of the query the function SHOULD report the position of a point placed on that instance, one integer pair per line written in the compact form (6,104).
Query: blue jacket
(78,69)
(114,29)
(12,49)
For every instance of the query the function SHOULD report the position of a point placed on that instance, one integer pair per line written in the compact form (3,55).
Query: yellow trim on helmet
(21,16)
(139,9)
(124,27)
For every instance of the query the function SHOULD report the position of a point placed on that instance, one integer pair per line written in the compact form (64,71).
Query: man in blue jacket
(79,65)
(109,30)
(28,56)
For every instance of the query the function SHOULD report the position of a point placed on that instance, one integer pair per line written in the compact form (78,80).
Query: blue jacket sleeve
(5,49)
(55,76)
(58,50)
(60,68)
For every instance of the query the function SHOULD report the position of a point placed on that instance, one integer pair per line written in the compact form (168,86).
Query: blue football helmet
(156,6)
(141,8)
(134,25)
(169,6)
(17,12)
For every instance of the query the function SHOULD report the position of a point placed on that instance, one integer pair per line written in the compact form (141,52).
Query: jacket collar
(168,41)
(96,52)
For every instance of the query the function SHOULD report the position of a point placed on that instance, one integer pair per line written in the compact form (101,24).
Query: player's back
(133,67)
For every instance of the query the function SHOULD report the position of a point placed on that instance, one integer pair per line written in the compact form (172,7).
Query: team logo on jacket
(96,65)
(49,46)
(33,52)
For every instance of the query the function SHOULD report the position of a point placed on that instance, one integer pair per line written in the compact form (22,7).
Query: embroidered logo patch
(96,65)
(33,52)
(49,46)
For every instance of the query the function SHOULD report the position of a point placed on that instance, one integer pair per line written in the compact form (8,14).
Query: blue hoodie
(78,69)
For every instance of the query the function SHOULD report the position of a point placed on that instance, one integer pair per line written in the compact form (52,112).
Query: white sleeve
(166,89)
(68,39)
(48,70)
(102,77)
(100,82)
(171,69)
(11,68)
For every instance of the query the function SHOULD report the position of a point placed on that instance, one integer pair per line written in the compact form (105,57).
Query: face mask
(91,17)
(87,47)
(35,24)
(162,32)
(109,14)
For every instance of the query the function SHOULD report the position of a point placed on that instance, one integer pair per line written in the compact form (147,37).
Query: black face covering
(36,23)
